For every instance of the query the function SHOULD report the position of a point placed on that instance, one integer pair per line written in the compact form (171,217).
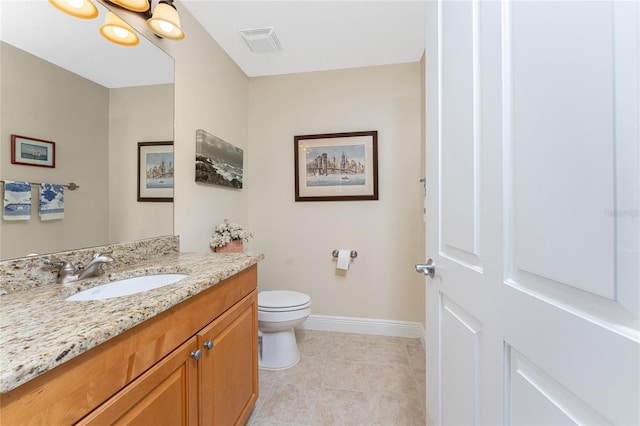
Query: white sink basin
(127,287)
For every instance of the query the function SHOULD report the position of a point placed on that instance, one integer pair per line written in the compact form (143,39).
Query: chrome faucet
(69,273)
(94,268)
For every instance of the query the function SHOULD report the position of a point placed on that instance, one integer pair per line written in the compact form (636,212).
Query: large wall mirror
(61,81)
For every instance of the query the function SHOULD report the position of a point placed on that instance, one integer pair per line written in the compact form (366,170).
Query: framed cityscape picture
(336,166)
(155,171)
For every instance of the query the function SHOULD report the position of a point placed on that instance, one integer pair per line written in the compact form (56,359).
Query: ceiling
(35,26)
(316,35)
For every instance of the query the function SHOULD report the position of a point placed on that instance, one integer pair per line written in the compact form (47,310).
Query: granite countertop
(39,330)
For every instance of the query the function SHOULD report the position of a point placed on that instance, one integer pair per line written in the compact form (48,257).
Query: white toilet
(279,311)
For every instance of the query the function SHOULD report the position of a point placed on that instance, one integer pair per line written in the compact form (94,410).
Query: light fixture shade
(165,22)
(134,5)
(84,9)
(118,31)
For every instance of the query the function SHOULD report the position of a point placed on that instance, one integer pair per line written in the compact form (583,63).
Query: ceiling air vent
(261,40)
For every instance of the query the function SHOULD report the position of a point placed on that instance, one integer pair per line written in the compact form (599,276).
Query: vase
(235,246)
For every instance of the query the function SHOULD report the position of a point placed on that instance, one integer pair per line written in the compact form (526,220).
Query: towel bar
(71,186)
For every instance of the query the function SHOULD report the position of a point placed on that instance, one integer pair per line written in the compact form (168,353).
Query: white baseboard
(365,326)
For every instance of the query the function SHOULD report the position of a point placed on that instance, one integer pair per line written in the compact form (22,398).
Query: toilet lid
(278,299)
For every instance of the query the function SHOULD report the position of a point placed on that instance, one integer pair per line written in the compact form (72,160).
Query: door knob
(428,268)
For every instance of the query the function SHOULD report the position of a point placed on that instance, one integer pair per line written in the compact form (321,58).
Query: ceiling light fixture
(118,31)
(164,21)
(84,9)
(133,5)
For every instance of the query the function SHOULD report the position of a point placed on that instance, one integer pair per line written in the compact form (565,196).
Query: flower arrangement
(227,232)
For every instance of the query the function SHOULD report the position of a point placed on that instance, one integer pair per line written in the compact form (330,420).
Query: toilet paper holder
(353,254)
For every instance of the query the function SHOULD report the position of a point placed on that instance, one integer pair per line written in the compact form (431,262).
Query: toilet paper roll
(344,259)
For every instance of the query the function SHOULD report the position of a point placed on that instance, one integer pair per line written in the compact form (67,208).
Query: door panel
(537,399)
(533,159)
(625,214)
(459,115)
(561,142)
(595,364)
(561,145)
(461,340)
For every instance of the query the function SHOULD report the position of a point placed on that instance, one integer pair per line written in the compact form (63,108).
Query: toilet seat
(282,301)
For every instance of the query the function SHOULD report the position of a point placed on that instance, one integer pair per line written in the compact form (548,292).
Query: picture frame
(336,166)
(29,151)
(155,171)
(217,161)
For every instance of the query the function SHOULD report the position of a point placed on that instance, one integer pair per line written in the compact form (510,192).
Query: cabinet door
(229,369)
(164,395)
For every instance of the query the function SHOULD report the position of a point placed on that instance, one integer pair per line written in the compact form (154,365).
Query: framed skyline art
(336,166)
(155,171)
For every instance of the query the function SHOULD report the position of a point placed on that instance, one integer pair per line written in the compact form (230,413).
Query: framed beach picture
(155,171)
(32,152)
(336,166)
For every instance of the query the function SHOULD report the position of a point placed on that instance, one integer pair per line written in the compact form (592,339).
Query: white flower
(227,232)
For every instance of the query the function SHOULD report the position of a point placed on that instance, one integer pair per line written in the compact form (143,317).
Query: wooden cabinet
(164,395)
(148,376)
(216,386)
(228,389)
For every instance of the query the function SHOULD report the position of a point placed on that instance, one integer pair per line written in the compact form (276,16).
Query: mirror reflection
(61,81)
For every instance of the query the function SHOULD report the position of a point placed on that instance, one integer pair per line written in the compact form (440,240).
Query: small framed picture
(32,152)
(336,166)
(155,171)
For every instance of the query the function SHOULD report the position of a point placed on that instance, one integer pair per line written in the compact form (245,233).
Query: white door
(532,151)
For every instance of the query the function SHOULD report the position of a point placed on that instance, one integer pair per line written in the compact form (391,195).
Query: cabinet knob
(208,344)
(196,354)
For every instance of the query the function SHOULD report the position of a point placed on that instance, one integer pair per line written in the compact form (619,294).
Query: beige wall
(43,101)
(261,116)
(136,114)
(298,237)
(211,93)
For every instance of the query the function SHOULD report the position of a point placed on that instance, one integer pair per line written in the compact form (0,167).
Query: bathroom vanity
(181,354)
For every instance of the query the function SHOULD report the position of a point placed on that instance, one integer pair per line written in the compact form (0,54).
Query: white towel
(51,201)
(17,200)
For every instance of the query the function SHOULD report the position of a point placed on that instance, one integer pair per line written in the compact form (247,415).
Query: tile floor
(346,379)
